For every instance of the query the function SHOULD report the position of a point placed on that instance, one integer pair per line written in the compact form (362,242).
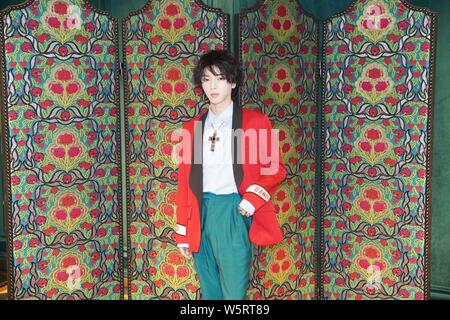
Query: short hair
(224,61)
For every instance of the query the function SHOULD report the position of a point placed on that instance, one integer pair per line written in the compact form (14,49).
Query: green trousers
(224,259)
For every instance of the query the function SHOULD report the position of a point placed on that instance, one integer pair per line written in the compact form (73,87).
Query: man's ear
(233,85)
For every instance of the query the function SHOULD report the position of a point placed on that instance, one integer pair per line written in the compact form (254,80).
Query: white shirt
(218,176)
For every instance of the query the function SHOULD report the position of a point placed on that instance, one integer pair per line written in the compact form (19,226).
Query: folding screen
(60,124)
(278,50)
(61,143)
(378,72)
(162,43)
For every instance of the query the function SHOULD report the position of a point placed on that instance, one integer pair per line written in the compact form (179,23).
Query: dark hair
(224,61)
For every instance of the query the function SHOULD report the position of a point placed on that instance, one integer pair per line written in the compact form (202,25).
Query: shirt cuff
(247,206)
(183,245)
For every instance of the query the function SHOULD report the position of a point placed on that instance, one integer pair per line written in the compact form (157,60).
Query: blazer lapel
(236,125)
(196,174)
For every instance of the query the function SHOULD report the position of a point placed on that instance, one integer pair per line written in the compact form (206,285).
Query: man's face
(216,87)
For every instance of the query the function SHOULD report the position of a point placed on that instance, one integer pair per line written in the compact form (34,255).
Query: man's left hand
(244,212)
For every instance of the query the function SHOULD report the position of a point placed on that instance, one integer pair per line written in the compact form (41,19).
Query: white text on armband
(260,191)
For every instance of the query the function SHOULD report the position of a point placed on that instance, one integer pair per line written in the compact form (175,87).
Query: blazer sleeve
(261,191)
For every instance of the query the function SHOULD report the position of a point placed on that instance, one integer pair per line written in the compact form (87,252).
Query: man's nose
(212,84)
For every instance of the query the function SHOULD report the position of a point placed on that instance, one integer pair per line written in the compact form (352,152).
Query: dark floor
(3,291)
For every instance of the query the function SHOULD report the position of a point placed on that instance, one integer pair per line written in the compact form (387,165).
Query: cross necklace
(214,138)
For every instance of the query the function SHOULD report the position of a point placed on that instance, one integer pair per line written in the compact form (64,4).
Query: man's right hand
(185,252)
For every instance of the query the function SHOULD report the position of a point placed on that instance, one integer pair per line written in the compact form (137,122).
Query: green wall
(323,9)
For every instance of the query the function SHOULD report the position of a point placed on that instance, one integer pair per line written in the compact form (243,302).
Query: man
(224,192)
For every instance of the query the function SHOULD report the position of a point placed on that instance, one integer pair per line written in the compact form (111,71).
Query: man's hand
(185,252)
(244,212)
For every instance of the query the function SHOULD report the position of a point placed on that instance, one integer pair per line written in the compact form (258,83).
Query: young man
(224,192)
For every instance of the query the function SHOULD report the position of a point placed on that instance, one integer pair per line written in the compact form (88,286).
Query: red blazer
(253,186)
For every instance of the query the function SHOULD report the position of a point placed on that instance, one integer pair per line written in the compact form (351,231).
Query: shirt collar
(226,115)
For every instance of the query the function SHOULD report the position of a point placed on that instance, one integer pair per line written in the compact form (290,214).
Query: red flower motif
(276,87)
(281,74)
(281,11)
(56,88)
(286,87)
(180,87)
(381,86)
(165,24)
(155,39)
(280,255)
(92,91)
(285,266)
(63,51)
(349,27)
(89,27)
(262,25)
(198,25)
(287,25)
(380,147)
(409,47)
(166,87)
(168,269)
(66,139)
(172,10)
(75,213)
(365,146)
(275,268)
(179,23)
(189,38)
(363,263)
(426,46)
(182,272)
(36,91)
(9,47)
(372,253)
(61,215)
(62,276)
(276,24)
(68,201)
(173,74)
(26,47)
(33,24)
(54,22)
(374,73)
(402,25)
(72,88)
(384,23)
(372,194)
(64,75)
(373,134)
(60,8)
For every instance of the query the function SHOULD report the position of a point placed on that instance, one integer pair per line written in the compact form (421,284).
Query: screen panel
(162,43)
(377,111)
(61,144)
(279,55)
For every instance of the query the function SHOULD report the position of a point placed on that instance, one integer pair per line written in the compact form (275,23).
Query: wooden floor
(3,292)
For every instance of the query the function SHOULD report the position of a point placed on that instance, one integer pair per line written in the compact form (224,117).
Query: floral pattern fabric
(60,122)
(61,139)
(162,43)
(278,48)
(378,59)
